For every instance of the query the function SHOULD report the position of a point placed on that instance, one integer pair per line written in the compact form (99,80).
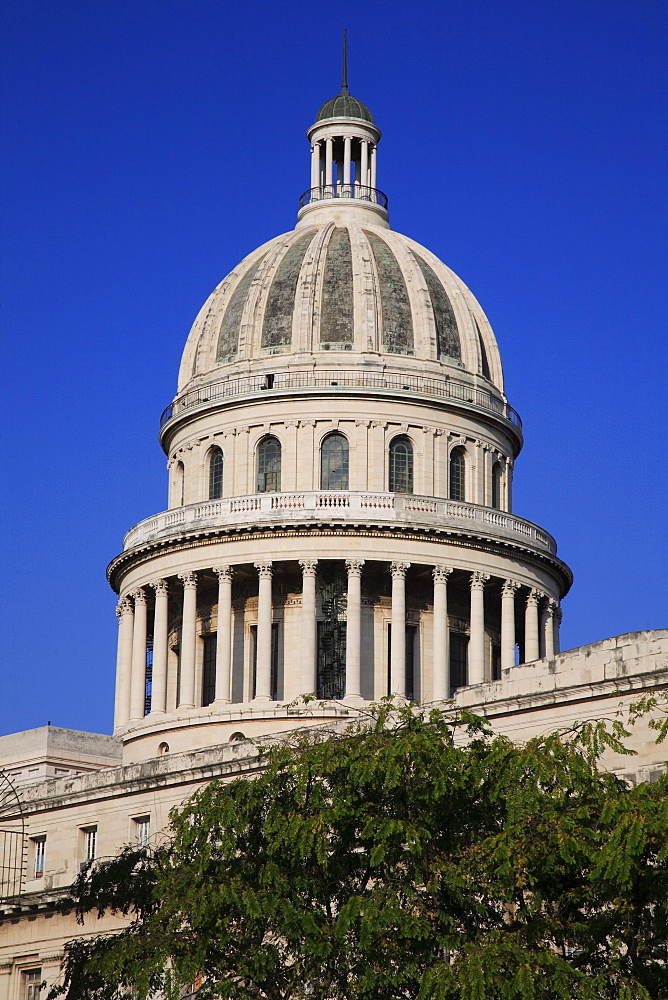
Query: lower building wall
(597,681)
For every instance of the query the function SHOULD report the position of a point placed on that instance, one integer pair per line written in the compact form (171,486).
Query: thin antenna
(344,77)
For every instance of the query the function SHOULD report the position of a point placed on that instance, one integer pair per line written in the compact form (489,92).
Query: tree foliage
(414,856)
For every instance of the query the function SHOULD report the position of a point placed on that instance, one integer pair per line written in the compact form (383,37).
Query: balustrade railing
(262,508)
(325,192)
(348,378)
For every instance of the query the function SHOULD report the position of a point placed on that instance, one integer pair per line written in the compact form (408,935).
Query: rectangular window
(90,843)
(459,647)
(32,984)
(411,639)
(39,848)
(274,659)
(209,668)
(142,830)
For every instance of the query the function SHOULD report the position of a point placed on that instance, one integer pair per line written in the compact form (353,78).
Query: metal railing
(356,378)
(325,192)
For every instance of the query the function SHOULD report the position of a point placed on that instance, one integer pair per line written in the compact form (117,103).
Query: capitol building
(339,524)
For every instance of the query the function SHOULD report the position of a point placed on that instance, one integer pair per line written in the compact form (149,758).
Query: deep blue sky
(150,144)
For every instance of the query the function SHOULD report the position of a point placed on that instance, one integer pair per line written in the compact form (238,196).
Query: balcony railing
(339,506)
(356,378)
(357,191)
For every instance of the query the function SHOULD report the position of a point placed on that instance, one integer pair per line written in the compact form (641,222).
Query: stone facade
(339,522)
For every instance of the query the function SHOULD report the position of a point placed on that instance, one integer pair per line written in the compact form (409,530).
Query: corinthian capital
(398,569)
(354,566)
(510,588)
(478,580)
(441,573)
(224,573)
(309,567)
(264,569)
(188,579)
(160,586)
(138,596)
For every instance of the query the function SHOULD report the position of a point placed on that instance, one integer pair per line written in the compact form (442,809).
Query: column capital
(441,573)
(478,580)
(398,569)
(557,614)
(224,573)
(264,569)
(552,608)
(160,586)
(354,566)
(309,566)
(139,596)
(124,607)
(509,588)
(188,579)
(533,598)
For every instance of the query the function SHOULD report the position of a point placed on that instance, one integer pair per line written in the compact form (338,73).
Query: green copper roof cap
(344,106)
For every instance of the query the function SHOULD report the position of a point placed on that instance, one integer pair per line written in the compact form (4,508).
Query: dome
(344,105)
(342,293)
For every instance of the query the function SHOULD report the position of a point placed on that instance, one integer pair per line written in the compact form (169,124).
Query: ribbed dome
(344,105)
(342,294)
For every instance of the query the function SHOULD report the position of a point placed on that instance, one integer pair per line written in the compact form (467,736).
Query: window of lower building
(89,844)
(32,984)
(459,648)
(209,668)
(410,660)
(39,856)
(274,659)
(142,830)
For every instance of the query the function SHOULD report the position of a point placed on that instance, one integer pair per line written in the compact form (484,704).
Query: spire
(344,75)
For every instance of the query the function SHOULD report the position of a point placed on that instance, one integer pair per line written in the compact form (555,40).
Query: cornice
(473,541)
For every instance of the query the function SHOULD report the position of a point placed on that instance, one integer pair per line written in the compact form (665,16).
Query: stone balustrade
(356,507)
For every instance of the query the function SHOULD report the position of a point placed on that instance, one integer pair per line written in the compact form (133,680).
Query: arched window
(269,466)
(215,474)
(180,484)
(334,462)
(457,474)
(496,485)
(400,479)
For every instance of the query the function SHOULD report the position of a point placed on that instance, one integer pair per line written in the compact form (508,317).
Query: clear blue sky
(150,144)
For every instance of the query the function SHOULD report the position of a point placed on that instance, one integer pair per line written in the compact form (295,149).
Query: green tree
(413,856)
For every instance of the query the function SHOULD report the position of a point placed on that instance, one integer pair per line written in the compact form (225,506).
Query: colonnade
(322,166)
(542,617)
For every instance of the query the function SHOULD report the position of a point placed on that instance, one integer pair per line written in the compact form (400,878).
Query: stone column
(531,650)
(347,142)
(373,166)
(548,628)
(398,648)
(224,635)
(329,148)
(315,165)
(160,638)
(354,629)
(138,682)
(557,615)
(477,639)
(125,613)
(508,592)
(364,163)
(188,641)
(309,682)
(263,638)
(441,637)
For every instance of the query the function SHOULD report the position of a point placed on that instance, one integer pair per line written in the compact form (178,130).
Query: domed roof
(344,105)
(342,293)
